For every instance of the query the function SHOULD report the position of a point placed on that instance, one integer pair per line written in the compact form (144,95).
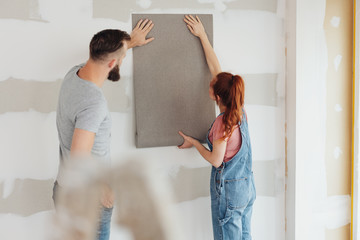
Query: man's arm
(82,143)
(139,33)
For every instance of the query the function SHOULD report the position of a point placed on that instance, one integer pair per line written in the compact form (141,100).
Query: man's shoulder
(71,73)
(74,85)
(80,93)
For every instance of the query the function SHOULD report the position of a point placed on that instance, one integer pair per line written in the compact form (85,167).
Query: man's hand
(139,33)
(107,197)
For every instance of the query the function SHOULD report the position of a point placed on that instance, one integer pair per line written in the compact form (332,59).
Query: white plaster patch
(266,215)
(255,45)
(173,171)
(144,3)
(281,8)
(34,9)
(337,152)
(335,21)
(219,5)
(338,108)
(29,145)
(36,226)
(8,187)
(65,10)
(266,132)
(331,213)
(120,232)
(195,218)
(338,211)
(311,185)
(337,61)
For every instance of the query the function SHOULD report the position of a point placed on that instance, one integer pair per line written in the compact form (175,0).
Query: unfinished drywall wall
(249,40)
(355,167)
(290,125)
(338,30)
(323,119)
(338,27)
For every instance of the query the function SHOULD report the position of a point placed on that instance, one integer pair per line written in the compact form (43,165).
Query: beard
(114,74)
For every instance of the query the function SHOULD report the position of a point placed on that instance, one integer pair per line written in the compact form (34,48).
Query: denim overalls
(232,191)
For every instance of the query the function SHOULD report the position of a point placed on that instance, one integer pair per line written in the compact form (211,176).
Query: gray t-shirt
(82,105)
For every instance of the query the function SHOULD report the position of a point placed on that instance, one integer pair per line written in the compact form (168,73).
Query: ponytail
(231,90)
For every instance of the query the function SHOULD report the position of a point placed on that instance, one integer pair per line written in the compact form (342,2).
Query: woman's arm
(215,157)
(196,27)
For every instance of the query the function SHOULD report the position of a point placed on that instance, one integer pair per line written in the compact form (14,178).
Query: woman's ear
(217,98)
(211,93)
(211,89)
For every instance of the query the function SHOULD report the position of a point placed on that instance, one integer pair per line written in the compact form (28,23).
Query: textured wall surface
(171,80)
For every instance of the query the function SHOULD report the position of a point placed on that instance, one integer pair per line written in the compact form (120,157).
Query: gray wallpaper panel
(171,82)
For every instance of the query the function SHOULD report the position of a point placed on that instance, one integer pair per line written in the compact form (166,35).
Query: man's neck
(93,72)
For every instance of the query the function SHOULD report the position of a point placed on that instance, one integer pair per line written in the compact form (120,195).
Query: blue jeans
(103,232)
(104,224)
(233,192)
(231,207)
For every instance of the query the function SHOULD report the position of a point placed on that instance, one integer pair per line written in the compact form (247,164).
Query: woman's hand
(188,141)
(195,25)
(215,157)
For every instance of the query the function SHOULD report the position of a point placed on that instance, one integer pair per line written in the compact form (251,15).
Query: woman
(232,185)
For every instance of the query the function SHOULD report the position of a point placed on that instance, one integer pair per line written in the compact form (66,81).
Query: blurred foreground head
(142,201)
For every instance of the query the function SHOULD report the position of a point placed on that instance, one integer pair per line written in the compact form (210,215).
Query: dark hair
(231,90)
(107,41)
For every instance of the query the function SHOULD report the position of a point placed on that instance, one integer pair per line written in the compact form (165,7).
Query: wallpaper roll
(171,82)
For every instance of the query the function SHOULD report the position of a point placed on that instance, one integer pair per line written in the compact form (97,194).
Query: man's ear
(112,63)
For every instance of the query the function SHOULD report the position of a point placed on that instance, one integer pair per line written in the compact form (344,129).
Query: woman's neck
(222,108)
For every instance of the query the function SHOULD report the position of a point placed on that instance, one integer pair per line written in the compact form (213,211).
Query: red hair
(231,91)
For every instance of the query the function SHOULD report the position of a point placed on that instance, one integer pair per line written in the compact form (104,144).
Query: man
(83,119)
